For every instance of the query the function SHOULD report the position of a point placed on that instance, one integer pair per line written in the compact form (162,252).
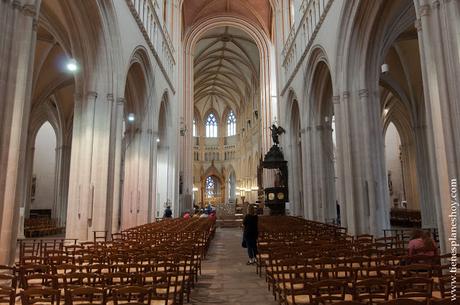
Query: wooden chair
(133,295)
(115,280)
(296,285)
(28,269)
(85,296)
(8,281)
(40,296)
(82,279)
(414,270)
(445,286)
(414,287)
(371,290)
(328,291)
(7,295)
(40,280)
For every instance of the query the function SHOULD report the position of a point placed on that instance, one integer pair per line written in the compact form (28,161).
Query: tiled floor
(226,279)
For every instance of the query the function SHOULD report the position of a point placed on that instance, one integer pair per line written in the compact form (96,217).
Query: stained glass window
(231,124)
(210,187)
(211,126)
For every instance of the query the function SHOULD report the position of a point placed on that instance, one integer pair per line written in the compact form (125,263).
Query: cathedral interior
(337,122)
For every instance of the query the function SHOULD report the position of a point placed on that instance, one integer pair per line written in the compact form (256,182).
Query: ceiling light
(131,117)
(158,140)
(72,65)
(385,68)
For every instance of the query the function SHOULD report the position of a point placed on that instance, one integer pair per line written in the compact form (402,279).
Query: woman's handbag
(243,243)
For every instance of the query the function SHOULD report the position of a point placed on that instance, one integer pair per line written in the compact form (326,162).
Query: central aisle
(225,278)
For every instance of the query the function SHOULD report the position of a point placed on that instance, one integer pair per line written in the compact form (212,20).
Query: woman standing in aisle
(250,233)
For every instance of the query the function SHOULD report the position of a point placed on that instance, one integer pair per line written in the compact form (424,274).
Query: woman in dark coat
(250,233)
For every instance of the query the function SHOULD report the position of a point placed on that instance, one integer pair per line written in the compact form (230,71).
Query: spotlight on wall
(195,189)
(385,111)
(385,68)
(72,65)
(131,117)
(158,140)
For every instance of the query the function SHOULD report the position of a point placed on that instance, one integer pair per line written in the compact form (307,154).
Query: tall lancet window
(211,126)
(210,187)
(231,124)
(194,128)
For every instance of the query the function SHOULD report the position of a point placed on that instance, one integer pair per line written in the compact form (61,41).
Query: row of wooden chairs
(135,295)
(164,258)
(301,258)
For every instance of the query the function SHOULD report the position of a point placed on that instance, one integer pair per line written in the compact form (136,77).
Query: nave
(226,279)
(191,261)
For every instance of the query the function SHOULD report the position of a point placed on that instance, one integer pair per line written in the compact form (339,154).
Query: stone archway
(269,108)
(295,161)
(136,143)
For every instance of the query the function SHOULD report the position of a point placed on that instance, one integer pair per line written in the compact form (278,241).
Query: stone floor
(226,279)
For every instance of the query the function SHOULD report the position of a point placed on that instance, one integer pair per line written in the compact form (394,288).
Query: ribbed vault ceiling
(258,12)
(226,69)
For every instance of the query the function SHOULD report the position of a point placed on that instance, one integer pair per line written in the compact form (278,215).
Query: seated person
(422,244)
(167,213)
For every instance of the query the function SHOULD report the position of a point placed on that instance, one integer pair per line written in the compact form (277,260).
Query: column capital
(435,4)
(363,93)
(425,10)
(110,97)
(91,94)
(336,99)
(418,25)
(121,100)
(16,4)
(346,94)
(29,10)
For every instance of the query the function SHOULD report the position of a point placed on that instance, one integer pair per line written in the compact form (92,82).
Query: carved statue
(276,131)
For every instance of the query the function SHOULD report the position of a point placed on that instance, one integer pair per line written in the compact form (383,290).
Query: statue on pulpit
(276,131)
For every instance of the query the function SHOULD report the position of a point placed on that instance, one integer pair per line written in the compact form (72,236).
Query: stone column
(186,121)
(153,177)
(303,172)
(17,46)
(425,179)
(309,196)
(362,184)
(89,173)
(27,185)
(142,208)
(325,164)
(62,183)
(318,176)
(117,121)
(340,151)
(439,41)
(371,155)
